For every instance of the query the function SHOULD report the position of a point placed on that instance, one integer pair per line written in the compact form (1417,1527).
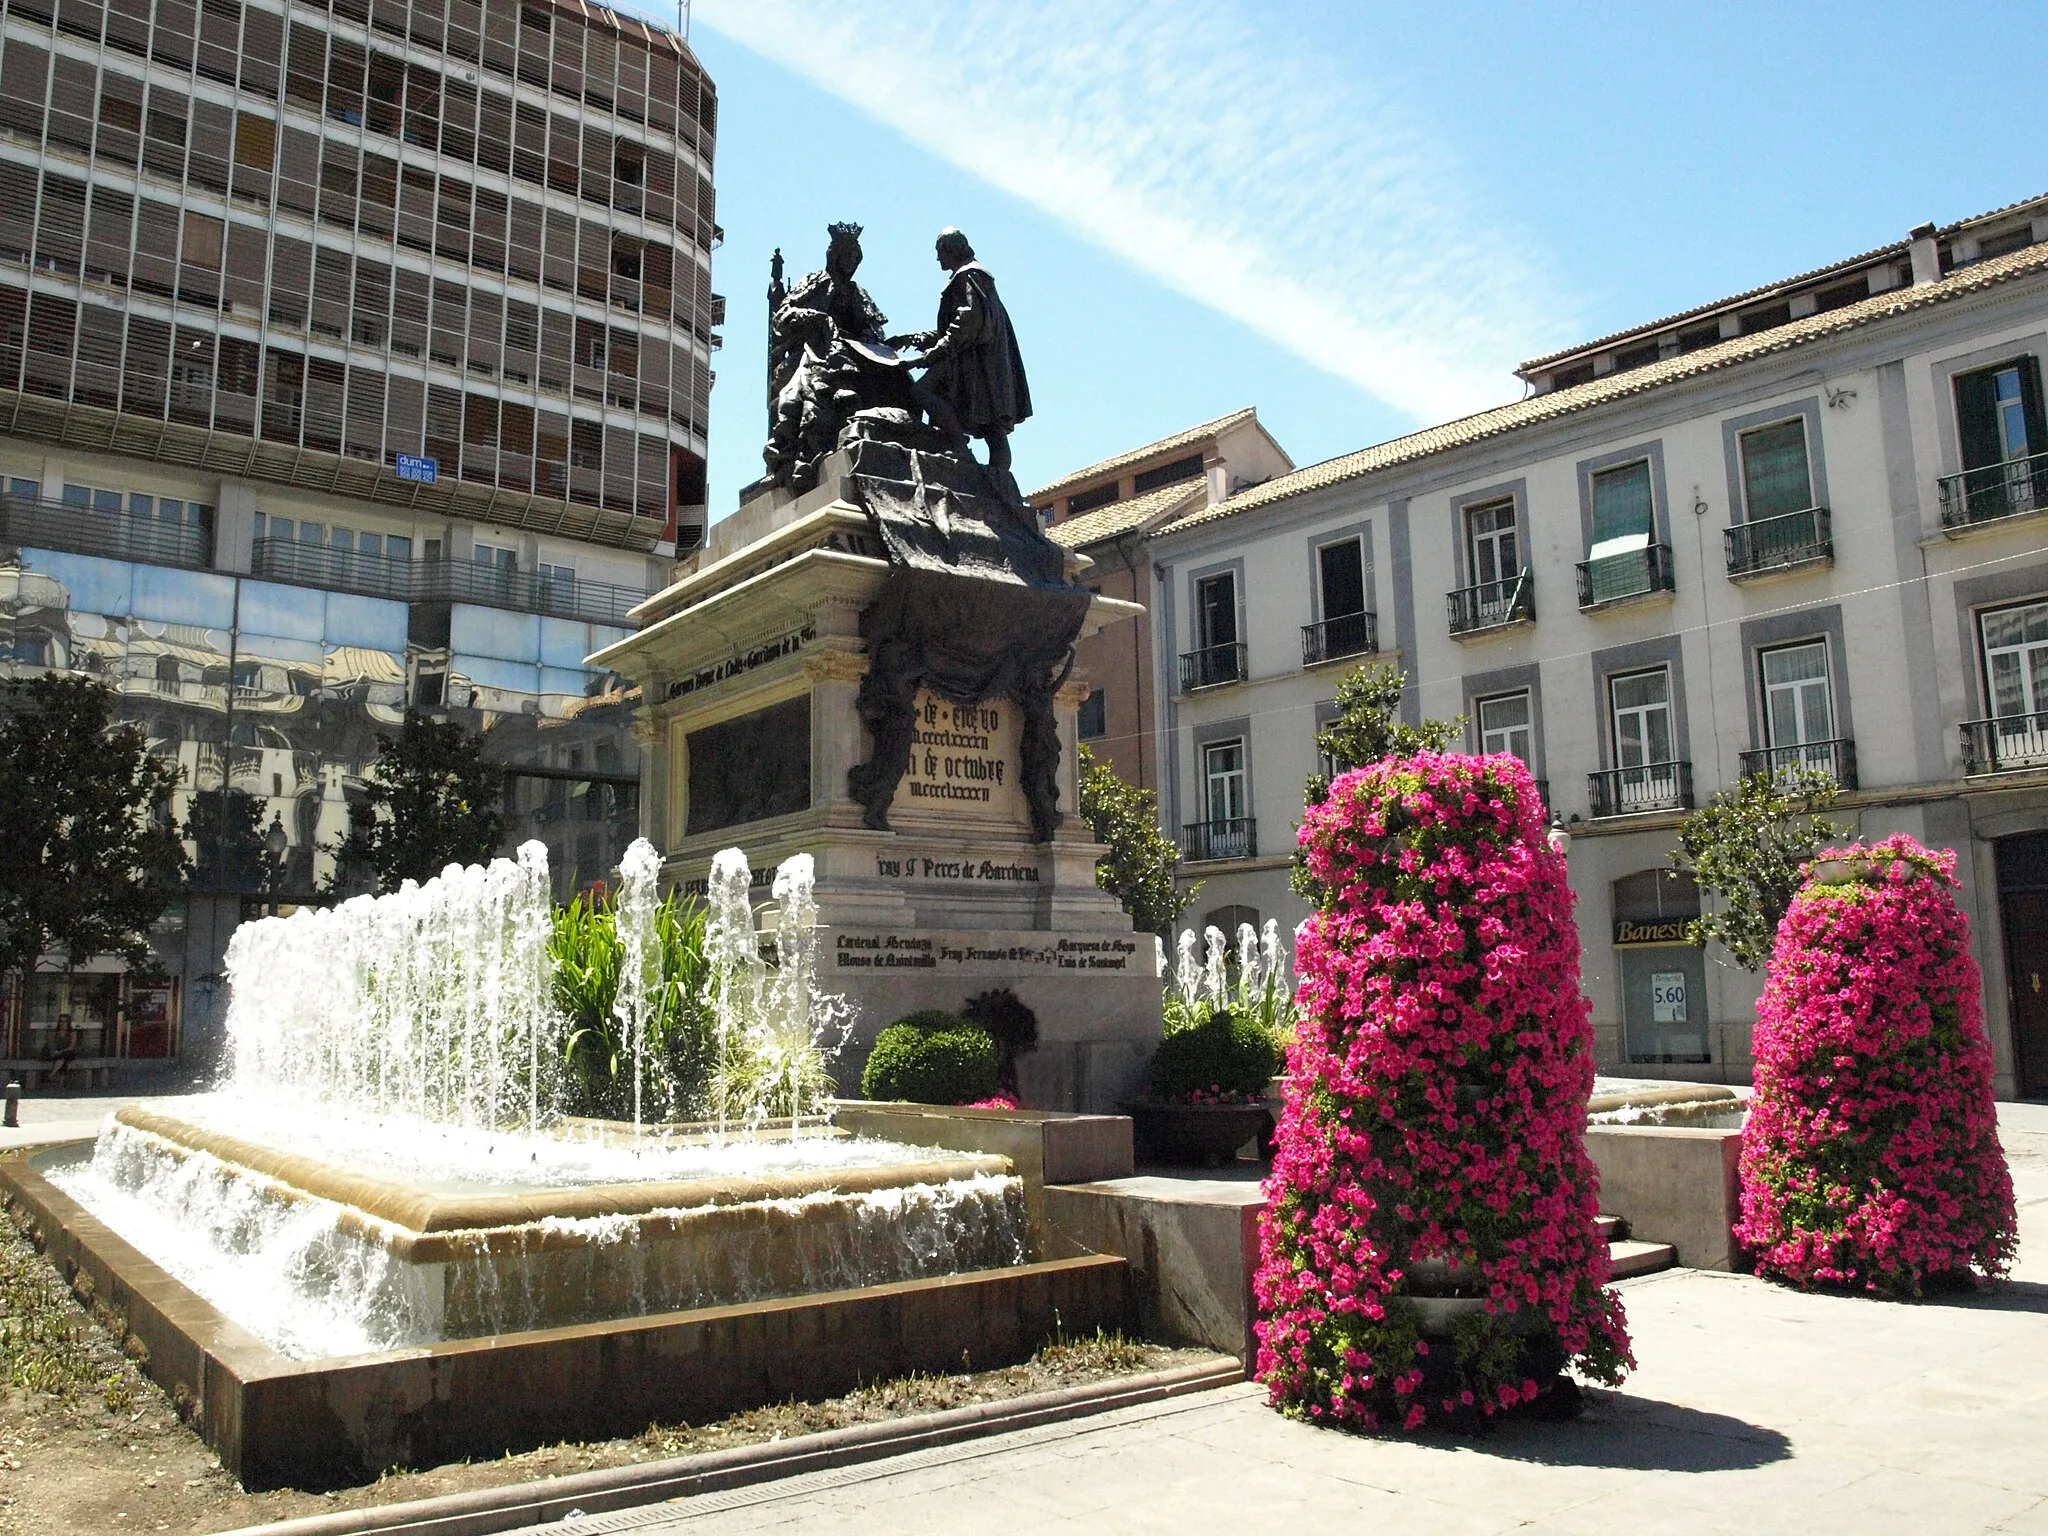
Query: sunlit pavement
(1756,1409)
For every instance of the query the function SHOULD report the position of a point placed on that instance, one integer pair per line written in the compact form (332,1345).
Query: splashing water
(640,970)
(433,1002)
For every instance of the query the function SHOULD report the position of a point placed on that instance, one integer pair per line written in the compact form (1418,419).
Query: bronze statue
(827,359)
(973,384)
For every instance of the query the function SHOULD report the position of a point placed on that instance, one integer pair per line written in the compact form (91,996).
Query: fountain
(380,1241)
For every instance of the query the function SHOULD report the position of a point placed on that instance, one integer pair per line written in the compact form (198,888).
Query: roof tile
(1124,461)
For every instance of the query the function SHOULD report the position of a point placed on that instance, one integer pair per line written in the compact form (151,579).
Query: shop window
(1663,977)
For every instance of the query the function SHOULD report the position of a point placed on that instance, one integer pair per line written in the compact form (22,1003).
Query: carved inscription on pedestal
(964,761)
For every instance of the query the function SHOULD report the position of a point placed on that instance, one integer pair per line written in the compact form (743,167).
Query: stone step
(1625,1259)
(1610,1228)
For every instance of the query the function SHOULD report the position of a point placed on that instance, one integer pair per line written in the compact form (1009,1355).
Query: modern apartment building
(1109,512)
(350,357)
(1807,524)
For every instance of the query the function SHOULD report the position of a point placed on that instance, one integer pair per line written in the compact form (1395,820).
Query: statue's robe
(974,364)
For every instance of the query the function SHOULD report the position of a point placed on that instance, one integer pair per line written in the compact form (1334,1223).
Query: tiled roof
(1123,461)
(1896,248)
(2031,262)
(1122,516)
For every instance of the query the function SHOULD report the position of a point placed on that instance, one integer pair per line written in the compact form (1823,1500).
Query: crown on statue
(843,231)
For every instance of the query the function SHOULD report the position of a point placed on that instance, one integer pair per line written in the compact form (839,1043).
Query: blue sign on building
(422,470)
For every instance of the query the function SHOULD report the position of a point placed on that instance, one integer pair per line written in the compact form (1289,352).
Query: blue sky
(1356,217)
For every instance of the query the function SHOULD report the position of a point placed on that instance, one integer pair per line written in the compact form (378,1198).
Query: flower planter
(1195,1135)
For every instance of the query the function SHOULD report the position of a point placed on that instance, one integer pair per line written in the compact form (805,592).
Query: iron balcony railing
(431,581)
(1777,543)
(1349,634)
(1835,759)
(1212,666)
(341,570)
(2005,743)
(1237,838)
(1492,605)
(99,531)
(1633,573)
(1993,491)
(1646,787)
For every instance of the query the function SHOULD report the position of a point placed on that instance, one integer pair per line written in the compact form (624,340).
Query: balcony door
(1340,575)
(1493,542)
(2016,678)
(1216,630)
(1643,740)
(1624,517)
(1799,707)
(2003,436)
(1223,783)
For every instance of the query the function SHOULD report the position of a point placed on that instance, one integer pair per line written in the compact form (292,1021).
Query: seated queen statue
(828,358)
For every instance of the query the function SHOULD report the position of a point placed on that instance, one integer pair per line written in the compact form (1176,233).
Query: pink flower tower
(1430,1252)
(1871,1156)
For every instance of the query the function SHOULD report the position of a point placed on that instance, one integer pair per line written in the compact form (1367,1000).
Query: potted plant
(1208,1093)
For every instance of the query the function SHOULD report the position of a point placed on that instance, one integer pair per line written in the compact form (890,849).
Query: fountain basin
(322,1256)
(276,1421)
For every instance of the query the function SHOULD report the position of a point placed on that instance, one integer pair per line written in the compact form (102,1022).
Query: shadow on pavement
(1643,1435)
(2005,1296)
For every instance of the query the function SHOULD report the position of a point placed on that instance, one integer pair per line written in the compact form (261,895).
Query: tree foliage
(1746,846)
(428,802)
(93,855)
(1138,869)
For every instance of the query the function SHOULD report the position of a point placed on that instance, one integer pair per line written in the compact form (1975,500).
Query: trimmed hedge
(932,1057)
(1226,1057)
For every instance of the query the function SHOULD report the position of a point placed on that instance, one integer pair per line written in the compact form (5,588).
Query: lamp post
(276,843)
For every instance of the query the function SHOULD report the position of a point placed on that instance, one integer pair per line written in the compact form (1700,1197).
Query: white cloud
(1198,143)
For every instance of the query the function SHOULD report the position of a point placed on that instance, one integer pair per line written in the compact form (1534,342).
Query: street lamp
(276,842)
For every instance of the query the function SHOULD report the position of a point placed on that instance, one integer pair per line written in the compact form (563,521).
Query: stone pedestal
(749,667)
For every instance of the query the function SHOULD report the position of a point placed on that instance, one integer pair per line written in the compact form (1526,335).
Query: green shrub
(1228,1056)
(932,1057)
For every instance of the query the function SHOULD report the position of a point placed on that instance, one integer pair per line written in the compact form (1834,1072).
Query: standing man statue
(973,384)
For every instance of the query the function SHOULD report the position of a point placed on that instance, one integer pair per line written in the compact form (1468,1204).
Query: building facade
(350,358)
(1703,548)
(1109,512)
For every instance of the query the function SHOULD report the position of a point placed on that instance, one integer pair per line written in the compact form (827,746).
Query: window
(1620,562)
(1346,628)
(2016,678)
(1999,413)
(1189,468)
(1088,501)
(1493,543)
(25,490)
(1216,658)
(1777,478)
(1228,920)
(1663,978)
(1504,725)
(1645,776)
(556,581)
(1093,719)
(496,556)
(1799,709)
(1223,791)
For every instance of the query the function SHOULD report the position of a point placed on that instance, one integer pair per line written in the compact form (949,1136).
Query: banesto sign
(1673,932)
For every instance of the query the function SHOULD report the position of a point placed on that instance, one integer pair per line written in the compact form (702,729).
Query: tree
(428,802)
(226,825)
(1746,846)
(1367,728)
(1138,869)
(93,856)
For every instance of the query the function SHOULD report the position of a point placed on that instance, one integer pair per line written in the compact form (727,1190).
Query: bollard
(13,1104)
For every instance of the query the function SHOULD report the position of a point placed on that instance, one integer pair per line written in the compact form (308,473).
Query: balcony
(2006,744)
(91,531)
(1779,543)
(1835,759)
(1647,787)
(1994,491)
(1349,634)
(338,570)
(443,581)
(1618,578)
(562,597)
(1206,840)
(1492,605)
(1212,667)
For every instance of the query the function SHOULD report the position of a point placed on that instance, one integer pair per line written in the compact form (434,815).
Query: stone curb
(521,1505)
